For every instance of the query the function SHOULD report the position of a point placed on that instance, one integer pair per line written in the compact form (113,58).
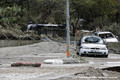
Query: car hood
(110,40)
(92,45)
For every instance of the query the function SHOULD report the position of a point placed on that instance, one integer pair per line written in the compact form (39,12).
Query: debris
(25,64)
(70,61)
(62,61)
(53,61)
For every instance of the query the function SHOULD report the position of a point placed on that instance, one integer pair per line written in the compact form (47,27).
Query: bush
(115,28)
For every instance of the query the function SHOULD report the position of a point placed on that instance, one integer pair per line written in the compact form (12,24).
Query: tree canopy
(85,14)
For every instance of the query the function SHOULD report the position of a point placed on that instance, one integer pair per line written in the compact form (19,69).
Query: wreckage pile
(93,74)
(51,47)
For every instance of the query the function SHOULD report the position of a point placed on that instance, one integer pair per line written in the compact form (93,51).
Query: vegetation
(85,14)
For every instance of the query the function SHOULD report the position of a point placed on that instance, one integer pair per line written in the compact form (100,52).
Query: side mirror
(78,43)
(116,36)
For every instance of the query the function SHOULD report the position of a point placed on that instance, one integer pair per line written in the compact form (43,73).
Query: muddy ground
(94,68)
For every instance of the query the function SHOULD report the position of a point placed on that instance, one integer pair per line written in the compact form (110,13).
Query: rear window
(107,35)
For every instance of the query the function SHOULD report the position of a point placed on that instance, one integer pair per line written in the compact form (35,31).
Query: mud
(93,74)
(54,50)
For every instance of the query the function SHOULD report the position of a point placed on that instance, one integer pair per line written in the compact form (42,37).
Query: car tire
(80,54)
(77,53)
(106,56)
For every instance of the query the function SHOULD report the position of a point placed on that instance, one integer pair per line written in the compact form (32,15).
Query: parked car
(107,36)
(91,45)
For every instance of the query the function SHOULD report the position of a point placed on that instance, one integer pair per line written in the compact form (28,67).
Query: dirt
(48,50)
(114,47)
(93,74)
(17,34)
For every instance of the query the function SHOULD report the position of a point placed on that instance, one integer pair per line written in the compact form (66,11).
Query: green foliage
(115,28)
(51,11)
(9,15)
(102,21)
(98,13)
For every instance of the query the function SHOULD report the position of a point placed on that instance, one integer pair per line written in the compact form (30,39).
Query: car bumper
(93,52)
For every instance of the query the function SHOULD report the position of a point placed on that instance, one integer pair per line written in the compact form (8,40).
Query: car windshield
(93,40)
(107,35)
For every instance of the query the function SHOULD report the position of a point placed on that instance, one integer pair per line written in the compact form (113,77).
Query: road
(47,71)
(101,62)
(56,71)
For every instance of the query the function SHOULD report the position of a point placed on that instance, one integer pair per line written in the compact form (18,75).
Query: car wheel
(80,54)
(77,53)
(106,56)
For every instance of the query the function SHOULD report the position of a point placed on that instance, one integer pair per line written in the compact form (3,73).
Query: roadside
(17,34)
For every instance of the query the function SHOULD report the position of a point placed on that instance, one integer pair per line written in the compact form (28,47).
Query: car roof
(102,32)
(91,36)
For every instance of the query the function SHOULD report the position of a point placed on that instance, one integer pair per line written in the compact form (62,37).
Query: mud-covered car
(107,36)
(91,45)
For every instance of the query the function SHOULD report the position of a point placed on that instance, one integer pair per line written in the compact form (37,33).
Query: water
(11,43)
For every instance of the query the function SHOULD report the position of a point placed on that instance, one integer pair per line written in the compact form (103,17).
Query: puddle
(116,68)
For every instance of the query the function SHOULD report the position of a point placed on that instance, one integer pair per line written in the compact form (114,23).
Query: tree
(9,15)
(51,11)
(95,12)
(80,10)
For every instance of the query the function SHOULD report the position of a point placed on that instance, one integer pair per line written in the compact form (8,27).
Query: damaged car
(91,45)
(107,36)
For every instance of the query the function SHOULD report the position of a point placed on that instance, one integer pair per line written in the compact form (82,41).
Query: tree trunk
(74,30)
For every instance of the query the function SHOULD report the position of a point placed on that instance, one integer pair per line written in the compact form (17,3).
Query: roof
(91,36)
(48,25)
(102,32)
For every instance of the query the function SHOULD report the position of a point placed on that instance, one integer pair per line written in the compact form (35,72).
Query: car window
(93,40)
(107,35)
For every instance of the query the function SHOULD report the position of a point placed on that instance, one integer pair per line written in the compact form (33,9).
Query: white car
(92,45)
(107,36)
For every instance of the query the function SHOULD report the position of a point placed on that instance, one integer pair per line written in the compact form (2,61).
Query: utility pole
(68,28)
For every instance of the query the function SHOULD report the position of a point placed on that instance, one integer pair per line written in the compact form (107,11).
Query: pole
(68,29)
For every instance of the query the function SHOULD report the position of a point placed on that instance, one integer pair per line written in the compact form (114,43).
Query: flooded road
(52,50)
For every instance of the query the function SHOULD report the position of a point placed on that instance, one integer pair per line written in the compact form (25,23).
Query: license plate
(93,51)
